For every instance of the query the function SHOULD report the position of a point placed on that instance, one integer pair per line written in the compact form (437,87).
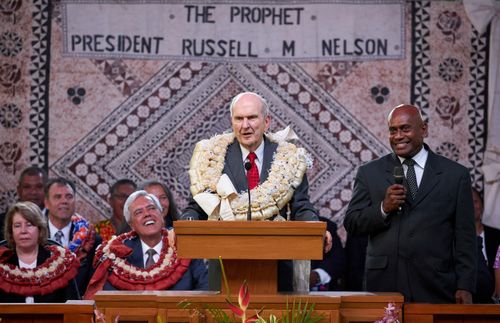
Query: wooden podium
(250,250)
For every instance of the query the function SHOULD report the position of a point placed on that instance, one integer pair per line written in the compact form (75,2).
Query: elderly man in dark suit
(146,257)
(421,233)
(247,156)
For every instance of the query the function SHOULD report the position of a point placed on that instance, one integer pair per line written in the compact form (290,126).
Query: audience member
(146,257)
(355,254)
(485,280)
(496,266)
(164,195)
(327,274)
(69,229)
(29,188)
(412,228)
(27,256)
(119,193)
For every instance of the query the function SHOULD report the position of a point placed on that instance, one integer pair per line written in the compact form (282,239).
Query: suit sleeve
(300,205)
(465,236)
(200,274)
(193,211)
(363,214)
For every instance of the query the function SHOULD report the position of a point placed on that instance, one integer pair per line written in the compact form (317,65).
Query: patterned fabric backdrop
(96,121)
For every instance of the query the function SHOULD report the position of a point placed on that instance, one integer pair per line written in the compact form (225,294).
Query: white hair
(265,105)
(134,196)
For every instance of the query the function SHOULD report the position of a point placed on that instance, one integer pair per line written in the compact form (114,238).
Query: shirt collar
(53,229)
(259,152)
(420,158)
(157,248)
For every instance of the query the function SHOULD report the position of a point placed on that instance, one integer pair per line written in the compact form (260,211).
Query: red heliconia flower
(235,309)
(244,296)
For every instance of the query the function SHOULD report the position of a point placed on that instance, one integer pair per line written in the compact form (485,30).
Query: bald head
(407,130)
(409,109)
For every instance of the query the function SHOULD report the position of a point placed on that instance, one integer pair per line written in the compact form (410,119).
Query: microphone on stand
(399,177)
(248,166)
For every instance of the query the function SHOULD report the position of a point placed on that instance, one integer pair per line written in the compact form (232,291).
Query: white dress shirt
(145,249)
(65,231)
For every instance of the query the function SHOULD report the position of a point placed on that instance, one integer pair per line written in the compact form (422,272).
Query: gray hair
(265,105)
(134,196)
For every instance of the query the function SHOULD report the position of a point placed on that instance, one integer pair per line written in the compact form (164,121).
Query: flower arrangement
(296,314)
(391,314)
(207,181)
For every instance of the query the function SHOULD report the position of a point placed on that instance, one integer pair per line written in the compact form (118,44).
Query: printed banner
(235,31)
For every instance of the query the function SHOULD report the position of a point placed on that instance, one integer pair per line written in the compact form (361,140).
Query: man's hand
(463,297)
(327,243)
(394,198)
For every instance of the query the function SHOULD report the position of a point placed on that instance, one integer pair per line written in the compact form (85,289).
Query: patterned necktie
(411,178)
(58,236)
(150,261)
(253,173)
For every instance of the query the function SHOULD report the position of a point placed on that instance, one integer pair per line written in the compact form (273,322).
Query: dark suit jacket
(428,251)
(85,271)
(334,261)
(301,208)
(195,278)
(58,296)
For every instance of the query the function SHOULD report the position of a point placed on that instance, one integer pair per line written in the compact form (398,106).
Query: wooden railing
(155,306)
(435,313)
(70,312)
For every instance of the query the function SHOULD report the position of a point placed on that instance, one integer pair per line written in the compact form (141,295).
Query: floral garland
(111,265)
(54,273)
(287,170)
(105,229)
(83,236)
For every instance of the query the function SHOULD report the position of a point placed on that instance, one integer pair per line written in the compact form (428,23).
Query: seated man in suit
(70,229)
(251,158)
(146,257)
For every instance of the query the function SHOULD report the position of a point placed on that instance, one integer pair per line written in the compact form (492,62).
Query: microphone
(399,177)
(248,166)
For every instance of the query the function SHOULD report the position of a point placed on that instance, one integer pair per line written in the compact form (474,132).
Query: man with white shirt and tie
(69,229)
(246,158)
(422,240)
(146,257)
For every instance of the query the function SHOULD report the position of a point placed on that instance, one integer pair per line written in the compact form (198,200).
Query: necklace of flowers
(287,170)
(80,232)
(121,268)
(52,274)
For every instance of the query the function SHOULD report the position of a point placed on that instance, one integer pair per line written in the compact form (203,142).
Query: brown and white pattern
(102,120)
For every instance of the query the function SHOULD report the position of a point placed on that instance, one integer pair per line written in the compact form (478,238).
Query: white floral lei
(287,170)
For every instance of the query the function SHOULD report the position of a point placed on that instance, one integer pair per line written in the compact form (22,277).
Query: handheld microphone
(399,177)
(248,166)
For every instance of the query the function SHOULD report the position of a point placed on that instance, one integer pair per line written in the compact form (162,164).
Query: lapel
(233,167)
(269,150)
(391,161)
(135,257)
(430,178)
(233,164)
